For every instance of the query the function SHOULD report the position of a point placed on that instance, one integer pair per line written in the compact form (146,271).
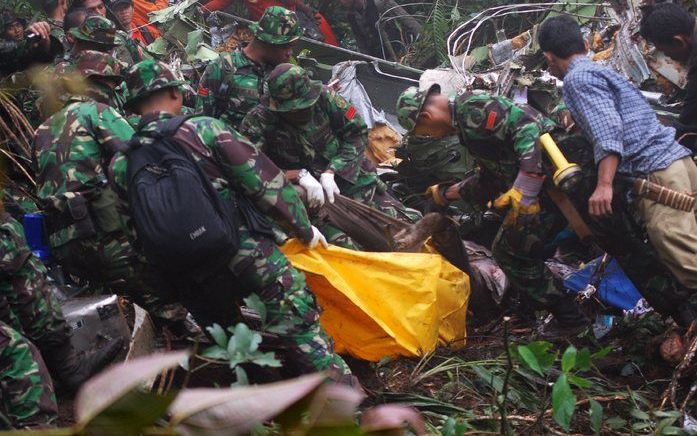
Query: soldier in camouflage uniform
(55,10)
(302,125)
(73,150)
(28,305)
(100,34)
(233,84)
(26,389)
(237,170)
(503,139)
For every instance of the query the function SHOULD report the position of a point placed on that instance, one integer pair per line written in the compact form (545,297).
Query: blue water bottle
(36,239)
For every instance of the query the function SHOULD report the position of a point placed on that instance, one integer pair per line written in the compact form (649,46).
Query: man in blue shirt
(627,140)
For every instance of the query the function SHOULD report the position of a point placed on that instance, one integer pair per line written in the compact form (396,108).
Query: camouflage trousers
(27,398)
(110,262)
(260,267)
(28,306)
(519,251)
(376,196)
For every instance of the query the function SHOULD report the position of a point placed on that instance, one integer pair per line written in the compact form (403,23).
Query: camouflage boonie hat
(149,76)
(290,89)
(97,30)
(278,26)
(91,63)
(9,17)
(410,103)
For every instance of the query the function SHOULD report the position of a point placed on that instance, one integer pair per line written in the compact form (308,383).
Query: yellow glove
(521,199)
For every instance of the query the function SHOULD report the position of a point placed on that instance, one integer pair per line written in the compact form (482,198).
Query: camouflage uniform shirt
(502,136)
(230,87)
(232,164)
(334,139)
(72,148)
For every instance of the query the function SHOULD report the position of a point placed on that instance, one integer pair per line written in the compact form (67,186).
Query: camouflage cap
(278,26)
(410,103)
(290,89)
(97,30)
(149,76)
(91,63)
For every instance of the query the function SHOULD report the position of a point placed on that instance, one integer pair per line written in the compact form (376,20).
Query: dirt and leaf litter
(614,386)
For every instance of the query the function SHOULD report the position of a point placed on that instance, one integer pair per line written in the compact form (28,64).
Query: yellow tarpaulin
(385,304)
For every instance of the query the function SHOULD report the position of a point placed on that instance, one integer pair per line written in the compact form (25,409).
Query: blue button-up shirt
(617,119)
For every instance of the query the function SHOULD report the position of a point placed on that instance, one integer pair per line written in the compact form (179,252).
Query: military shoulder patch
(351,113)
(202,91)
(491,120)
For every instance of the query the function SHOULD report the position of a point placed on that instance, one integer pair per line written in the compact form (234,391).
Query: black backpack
(183,225)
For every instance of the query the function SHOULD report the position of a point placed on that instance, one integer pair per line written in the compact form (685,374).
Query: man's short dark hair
(664,21)
(74,18)
(561,36)
(50,6)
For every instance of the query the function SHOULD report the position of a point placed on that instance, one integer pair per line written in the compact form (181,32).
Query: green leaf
(601,353)
(579,381)
(640,414)
(218,335)
(642,425)
(243,337)
(583,360)
(158,47)
(266,359)
(537,357)
(595,411)
(672,430)
(242,379)
(668,414)
(455,15)
(529,359)
(280,328)
(216,352)
(615,423)
(254,344)
(563,402)
(255,303)
(568,359)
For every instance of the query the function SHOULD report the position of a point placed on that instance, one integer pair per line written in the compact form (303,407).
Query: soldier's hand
(436,193)
(330,187)
(313,189)
(41,28)
(317,238)
(600,203)
(521,199)
(517,205)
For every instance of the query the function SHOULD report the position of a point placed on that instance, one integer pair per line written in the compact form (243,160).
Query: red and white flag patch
(351,113)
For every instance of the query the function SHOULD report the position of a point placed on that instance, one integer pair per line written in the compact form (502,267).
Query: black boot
(71,369)
(568,320)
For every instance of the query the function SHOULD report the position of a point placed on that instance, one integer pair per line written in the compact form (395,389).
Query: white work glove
(329,185)
(313,189)
(317,237)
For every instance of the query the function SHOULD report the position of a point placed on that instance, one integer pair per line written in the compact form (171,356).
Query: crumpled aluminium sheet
(353,91)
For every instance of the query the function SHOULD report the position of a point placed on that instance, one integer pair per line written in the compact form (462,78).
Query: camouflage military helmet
(149,76)
(290,89)
(97,30)
(410,103)
(90,63)
(278,26)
